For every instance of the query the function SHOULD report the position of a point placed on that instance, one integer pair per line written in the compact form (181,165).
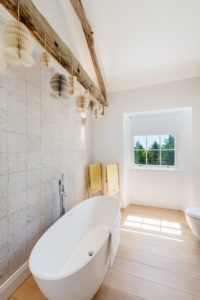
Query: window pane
(167,141)
(153,157)
(153,142)
(167,157)
(140,157)
(140,142)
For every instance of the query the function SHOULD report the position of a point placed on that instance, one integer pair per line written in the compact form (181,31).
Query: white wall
(109,142)
(154,187)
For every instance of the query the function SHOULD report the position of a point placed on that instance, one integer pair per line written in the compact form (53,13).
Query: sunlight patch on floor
(153,235)
(150,224)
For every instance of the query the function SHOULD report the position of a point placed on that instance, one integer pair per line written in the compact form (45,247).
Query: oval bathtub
(70,260)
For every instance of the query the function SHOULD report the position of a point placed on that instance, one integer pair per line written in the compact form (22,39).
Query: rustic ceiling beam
(39,27)
(78,7)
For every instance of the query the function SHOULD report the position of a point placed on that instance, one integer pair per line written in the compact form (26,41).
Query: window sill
(170,169)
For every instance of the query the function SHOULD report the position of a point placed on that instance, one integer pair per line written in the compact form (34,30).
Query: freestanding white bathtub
(70,260)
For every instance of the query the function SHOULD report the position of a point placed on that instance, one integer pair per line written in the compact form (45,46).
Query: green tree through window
(153,155)
(154,150)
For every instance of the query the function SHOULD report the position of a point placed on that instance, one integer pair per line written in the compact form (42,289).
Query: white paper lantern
(82,103)
(59,85)
(18,44)
(45,60)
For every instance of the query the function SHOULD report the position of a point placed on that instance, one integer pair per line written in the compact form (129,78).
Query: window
(154,150)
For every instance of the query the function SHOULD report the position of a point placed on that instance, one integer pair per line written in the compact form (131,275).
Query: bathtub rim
(64,275)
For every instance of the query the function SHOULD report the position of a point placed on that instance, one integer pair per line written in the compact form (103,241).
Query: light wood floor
(158,259)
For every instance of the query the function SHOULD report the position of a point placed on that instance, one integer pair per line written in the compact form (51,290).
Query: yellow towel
(95,177)
(112,178)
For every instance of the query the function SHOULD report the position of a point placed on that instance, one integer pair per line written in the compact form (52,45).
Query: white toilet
(193,218)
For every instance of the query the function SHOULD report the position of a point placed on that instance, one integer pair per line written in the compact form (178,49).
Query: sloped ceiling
(143,42)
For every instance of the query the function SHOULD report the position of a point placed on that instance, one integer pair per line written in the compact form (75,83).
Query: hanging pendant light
(18,43)
(82,104)
(92,105)
(59,85)
(45,59)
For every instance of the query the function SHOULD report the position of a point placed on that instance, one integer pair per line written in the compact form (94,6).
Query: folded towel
(95,179)
(115,237)
(112,178)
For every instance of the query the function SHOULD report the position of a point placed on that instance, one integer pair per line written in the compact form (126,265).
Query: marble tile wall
(40,138)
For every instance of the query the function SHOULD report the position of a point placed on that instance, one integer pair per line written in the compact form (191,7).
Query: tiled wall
(40,138)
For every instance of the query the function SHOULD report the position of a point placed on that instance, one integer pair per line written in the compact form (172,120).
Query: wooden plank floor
(158,258)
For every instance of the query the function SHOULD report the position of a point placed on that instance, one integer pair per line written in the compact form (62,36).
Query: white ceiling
(142,42)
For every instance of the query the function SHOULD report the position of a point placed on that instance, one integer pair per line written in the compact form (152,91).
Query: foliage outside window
(154,150)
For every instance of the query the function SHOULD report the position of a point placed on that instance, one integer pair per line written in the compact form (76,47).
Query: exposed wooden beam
(78,7)
(39,27)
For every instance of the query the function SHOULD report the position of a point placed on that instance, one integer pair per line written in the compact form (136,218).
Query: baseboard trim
(14,281)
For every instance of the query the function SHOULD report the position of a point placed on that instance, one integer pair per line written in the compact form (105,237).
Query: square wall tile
(33,92)
(33,229)
(16,123)
(33,143)
(17,162)
(33,126)
(33,178)
(46,159)
(33,195)
(17,221)
(16,104)
(33,160)
(17,142)
(33,109)
(17,201)
(16,182)
(16,86)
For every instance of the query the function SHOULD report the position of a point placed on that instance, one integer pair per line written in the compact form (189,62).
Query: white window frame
(160,167)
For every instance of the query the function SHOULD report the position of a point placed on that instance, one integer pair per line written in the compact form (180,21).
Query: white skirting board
(14,281)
